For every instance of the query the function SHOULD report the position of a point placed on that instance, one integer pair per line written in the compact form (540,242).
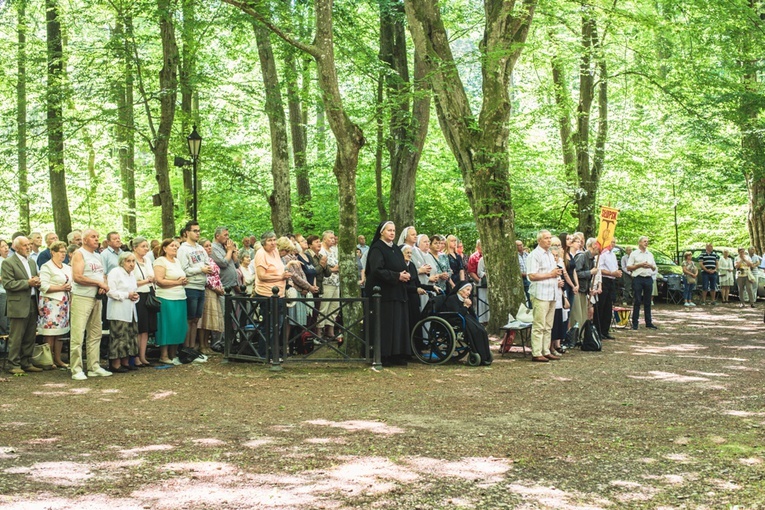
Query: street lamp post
(195,144)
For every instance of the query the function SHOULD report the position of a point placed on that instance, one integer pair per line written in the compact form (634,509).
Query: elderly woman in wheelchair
(451,330)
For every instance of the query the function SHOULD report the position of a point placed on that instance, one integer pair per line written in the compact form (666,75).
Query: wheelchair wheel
(433,340)
(474,359)
(461,348)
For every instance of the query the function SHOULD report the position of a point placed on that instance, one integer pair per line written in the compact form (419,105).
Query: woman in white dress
(55,285)
(727,278)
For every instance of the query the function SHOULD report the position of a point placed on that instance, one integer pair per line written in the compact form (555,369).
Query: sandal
(166,361)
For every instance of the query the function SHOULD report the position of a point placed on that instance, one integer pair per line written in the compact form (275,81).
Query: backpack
(187,355)
(571,339)
(590,338)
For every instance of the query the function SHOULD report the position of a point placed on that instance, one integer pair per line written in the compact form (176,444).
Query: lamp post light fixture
(195,144)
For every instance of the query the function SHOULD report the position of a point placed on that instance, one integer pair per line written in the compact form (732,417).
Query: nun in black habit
(475,334)
(387,269)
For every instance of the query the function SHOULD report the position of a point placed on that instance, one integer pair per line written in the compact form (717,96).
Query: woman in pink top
(269,268)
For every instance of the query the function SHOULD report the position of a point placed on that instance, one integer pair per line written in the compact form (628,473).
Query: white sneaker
(79,376)
(692,303)
(177,362)
(688,304)
(99,372)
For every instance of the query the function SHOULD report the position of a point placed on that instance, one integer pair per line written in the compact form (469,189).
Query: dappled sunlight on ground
(208,441)
(257,443)
(743,414)
(358,425)
(143,449)
(668,377)
(60,473)
(552,497)
(162,394)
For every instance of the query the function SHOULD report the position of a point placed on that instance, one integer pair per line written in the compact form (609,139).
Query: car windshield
(661,258)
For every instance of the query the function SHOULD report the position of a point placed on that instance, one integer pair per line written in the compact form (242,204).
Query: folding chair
(674,289)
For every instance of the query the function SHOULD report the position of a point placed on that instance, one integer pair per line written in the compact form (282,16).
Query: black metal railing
(266,330)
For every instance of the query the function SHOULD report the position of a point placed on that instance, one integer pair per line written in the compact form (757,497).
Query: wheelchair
(439,337)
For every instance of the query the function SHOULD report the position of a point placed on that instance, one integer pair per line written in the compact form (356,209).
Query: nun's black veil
(459,286)
(378,232)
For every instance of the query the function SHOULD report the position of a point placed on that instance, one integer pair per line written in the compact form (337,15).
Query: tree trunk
(21,115)
(583,170)
(297,130)
(409,111)
(379,146)
(480,145)
(129,121)
(168,84)
(123,92)
(186,82)
(55,122)
(279,200)
(349,138)
(752,139)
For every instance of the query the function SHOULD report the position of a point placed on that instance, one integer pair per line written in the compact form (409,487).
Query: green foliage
(677,96)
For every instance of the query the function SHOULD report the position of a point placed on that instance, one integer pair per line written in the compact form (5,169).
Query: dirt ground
(671,418)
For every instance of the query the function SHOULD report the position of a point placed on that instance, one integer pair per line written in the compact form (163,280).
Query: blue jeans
(688,291)
(643,288)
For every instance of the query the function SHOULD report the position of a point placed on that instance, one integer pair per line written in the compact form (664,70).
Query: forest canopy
(684,101)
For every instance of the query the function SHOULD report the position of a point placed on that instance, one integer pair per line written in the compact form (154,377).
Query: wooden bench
(520,329)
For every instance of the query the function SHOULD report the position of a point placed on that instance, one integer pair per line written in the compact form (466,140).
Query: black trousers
(643,287)
(606,305)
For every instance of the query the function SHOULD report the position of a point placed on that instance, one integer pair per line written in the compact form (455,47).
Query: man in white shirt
(609,270)
(35,240)
(642,265)
(196,264)
(544,276)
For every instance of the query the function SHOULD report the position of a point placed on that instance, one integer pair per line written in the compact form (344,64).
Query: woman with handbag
(690,271)
(727,278)
(744,278)
(148,304)
(55,285)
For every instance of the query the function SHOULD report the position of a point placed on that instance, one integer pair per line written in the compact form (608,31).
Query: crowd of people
(173,290)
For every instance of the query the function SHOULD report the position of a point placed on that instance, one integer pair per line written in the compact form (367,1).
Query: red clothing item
(472,265)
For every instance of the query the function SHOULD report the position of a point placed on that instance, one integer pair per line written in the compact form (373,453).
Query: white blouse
(143,271)
(120,307)
(50,276)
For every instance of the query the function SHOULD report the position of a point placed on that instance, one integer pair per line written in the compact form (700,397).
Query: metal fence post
(228,328)
(376,299)
(273,312)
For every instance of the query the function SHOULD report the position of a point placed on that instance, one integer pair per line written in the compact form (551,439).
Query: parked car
(670,274)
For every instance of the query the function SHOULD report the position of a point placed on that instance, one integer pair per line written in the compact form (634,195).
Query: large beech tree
(348,136)
(480,143)
(583,170)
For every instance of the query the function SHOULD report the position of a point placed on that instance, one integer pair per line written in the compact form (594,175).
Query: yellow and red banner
(607,228)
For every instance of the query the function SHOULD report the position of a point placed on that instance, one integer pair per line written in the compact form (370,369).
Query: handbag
(152,303)
(41,356)
(524,314)
(750,276)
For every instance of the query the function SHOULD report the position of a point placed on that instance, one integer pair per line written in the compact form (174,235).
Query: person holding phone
(545,276)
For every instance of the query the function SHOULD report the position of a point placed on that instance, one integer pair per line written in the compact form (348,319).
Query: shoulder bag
(152,303)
